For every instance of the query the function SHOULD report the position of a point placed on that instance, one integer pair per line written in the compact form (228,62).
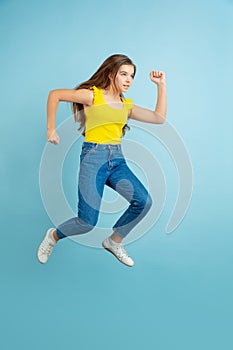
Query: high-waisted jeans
(100,165)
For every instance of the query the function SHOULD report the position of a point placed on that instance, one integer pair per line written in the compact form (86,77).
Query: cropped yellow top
(104,123)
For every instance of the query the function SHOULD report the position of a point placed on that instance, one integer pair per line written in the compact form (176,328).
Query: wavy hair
(101,80)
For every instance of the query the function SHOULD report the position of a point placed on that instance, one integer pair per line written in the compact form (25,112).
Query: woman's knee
(144,203)
(148,203)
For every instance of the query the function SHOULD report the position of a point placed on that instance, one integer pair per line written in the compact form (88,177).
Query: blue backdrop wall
(179,294)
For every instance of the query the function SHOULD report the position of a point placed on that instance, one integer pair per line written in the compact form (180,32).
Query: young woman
(102,111)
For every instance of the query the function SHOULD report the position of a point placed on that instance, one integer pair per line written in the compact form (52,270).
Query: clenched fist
(53,137)
(158,77)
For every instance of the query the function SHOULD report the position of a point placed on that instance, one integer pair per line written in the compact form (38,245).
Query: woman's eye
(132,76)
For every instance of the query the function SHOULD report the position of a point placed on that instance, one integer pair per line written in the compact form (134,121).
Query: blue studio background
(179,294)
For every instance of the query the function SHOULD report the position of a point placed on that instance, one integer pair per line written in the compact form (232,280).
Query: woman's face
(124,77)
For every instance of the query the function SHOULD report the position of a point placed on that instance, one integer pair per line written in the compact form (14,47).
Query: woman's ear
(110,77)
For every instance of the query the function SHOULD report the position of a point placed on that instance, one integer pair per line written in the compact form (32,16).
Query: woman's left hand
(158,77)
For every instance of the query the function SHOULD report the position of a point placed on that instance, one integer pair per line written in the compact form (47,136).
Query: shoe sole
(110,251)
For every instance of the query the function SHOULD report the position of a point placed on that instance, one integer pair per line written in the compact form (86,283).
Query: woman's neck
(112,94)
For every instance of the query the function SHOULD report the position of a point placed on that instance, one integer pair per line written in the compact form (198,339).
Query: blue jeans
(100,165)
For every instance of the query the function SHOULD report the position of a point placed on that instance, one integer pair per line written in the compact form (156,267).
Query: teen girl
(102,111)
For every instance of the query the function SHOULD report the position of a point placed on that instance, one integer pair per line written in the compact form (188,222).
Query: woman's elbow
(163,119)
(53,94)
(160,118)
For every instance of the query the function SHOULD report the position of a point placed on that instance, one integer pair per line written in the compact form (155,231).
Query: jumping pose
(102,112)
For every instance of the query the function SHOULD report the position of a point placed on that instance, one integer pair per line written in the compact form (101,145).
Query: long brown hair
(101,80)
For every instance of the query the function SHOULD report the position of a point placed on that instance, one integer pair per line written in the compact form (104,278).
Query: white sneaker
(118,251)
(46,247)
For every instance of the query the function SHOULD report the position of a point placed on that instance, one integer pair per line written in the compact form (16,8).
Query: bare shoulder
(83,96)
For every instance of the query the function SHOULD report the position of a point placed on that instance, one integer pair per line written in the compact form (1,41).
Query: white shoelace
(120,252)
(46,247)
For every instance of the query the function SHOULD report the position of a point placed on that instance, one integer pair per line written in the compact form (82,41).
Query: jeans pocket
(87,150)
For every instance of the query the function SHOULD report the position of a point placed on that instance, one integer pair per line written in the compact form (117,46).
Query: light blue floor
(179,294)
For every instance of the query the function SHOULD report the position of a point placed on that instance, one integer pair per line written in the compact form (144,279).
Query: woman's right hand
(53,137)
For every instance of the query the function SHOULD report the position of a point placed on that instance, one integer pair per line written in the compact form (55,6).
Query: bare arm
(159,114)
(83,96)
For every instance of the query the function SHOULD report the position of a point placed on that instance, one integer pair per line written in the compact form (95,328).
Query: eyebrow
(123,71)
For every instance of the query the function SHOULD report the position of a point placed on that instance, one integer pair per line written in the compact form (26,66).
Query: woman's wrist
(161,85)
(50,129)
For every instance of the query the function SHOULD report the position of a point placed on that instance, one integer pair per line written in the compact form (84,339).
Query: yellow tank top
(104,123)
